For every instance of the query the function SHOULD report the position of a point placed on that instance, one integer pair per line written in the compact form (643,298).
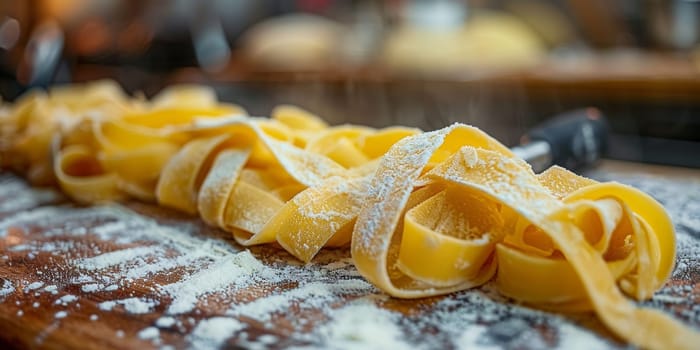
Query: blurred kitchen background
(502,65)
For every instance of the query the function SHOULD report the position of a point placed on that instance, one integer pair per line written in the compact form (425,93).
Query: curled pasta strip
(28,129)
(299,199)
(435,223)
(425,213)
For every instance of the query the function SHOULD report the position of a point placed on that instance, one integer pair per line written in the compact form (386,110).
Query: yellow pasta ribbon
(579,246)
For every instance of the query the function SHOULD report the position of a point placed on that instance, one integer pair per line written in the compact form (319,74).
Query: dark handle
(577,138)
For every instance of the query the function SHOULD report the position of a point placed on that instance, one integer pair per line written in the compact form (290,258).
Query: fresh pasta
(425,213)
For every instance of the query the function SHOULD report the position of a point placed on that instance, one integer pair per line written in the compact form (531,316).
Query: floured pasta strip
(290,179)
(425,213)
(450,209)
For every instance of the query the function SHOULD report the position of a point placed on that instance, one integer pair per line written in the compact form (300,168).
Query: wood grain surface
(46,242)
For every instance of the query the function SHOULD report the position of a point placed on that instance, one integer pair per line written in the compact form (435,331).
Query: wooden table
(138,276)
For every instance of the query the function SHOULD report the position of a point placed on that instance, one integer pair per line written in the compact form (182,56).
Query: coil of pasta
(424,213)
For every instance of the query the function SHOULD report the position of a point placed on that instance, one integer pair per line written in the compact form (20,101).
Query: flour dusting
(131,305)
(212,333)
(363,325)
(239,270)
(6,288)
(17,195)
(180,277)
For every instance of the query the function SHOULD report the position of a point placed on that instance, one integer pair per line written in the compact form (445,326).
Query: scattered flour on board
(66,299)
(17,195)
(363,325)
(314,295)
(473,338)
(6,288)
(165,322)
(116,258)
(150,333)
(213,332)
(91,287)
(33,286)
(477,319)
(576,338)
(131,305)
(237,270)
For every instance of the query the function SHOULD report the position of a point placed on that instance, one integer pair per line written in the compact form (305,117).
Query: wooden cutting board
(138,276)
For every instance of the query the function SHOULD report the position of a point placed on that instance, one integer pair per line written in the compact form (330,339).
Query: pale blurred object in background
(293,42)
(676,24)
(9,33)
(487,41)
(552,26)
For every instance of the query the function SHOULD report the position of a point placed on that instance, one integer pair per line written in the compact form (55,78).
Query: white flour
(212,333)
(325,304)
(33,286)
(116,258)
(6,288)
(363,325)
(16,195)
(576,338)
(92,287)
(66,299)
(473,338)
(150,333)
(165,322)
(238,270)
(131,305)
(314,295)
